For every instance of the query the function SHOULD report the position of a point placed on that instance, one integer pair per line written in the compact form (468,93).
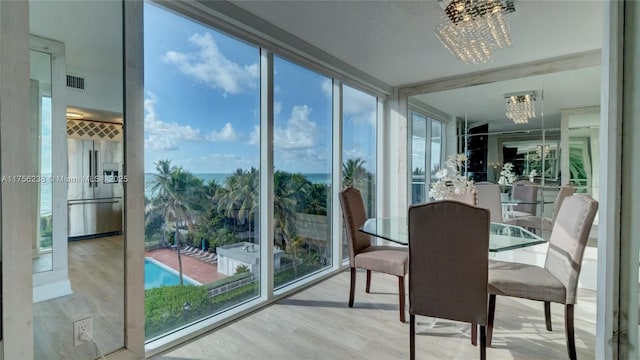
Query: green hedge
(164,305)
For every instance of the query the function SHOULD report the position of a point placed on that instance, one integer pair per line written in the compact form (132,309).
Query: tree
(175,191)
(353,172)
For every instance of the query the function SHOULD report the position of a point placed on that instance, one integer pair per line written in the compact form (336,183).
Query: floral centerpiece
(451,183)
(507,177)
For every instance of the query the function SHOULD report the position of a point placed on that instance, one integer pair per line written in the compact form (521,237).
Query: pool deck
(199,270)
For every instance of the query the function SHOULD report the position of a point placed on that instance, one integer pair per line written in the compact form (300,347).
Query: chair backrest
(354,215)
(470,198)
(562,193)
(527,192)
(489,198)
(448,261)
(568,240)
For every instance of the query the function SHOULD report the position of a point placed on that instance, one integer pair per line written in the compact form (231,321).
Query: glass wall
(359,115)
(427,142)
(202,158)
(302,179)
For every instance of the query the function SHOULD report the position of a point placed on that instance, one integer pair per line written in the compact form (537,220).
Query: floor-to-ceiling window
(427,143)
(302,144)
(202,156)
(359,115)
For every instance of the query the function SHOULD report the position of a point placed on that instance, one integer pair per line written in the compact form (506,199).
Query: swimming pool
(157,274)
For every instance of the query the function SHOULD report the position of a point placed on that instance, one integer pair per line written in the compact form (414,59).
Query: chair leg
(568,325)
(483,343)
(490,315)
(412,337)
(402,296)
(352,289)
(474,334)
(547,314)
(368,281)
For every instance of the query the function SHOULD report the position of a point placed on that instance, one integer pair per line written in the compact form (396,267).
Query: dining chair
(557,281)
(448,265)
(544,223)
(489,198)
(362,254)
(526,192)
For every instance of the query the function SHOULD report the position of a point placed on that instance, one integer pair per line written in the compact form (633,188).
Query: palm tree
(238,199)
(353,172)
(284,206)
(173,190)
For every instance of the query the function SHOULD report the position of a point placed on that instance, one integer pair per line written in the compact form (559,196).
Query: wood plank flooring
(96,268)
(317,324)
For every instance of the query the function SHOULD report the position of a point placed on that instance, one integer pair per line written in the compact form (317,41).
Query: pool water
(156,275)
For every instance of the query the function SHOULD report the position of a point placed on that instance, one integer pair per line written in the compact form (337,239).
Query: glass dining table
(502,237)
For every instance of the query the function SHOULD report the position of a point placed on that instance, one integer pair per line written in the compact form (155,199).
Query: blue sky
(202,104)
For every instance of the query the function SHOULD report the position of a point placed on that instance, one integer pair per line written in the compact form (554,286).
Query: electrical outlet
(84,326)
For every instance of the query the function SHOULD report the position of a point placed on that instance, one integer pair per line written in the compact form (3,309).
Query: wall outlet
(84,326)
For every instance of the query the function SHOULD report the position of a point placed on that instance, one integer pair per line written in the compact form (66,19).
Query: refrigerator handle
(90,169)
(95,168)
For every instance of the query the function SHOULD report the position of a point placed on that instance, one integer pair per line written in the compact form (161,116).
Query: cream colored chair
(448,264)
(557,281)
(489,198)
(386,259)
(528,193)
(545,223)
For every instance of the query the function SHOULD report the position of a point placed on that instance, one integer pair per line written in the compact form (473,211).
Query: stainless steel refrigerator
(95,185)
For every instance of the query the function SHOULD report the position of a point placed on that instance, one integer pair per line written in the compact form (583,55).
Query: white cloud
(300,131)
(226,134)
(210,66)
(327,87)
(357,102)
(160,135)
(277,108)
(254,137)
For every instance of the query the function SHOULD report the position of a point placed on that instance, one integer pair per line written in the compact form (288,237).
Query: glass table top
(501,236)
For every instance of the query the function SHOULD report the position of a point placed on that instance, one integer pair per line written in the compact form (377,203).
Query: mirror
(76,72)
(557,146)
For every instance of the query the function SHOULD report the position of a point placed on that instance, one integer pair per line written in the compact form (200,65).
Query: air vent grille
(75,82)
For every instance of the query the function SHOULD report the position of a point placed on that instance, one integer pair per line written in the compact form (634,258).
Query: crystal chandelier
(473,29)
(521,107)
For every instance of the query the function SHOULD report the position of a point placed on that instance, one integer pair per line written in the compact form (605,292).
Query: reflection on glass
(359,111)
(418,157)
(40,87)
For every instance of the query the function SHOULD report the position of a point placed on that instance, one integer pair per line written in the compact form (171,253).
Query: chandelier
(521,107)
(473,29)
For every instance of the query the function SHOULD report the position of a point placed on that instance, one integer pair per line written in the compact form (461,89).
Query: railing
(230,286)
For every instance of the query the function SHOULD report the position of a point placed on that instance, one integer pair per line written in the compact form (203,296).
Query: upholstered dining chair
(527,192)
(489,198)
(545,223)
(557,281)
(448,265)
(385,259)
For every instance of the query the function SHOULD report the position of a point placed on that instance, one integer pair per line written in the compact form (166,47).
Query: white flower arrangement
(533,174)
(507,177)
(451,182)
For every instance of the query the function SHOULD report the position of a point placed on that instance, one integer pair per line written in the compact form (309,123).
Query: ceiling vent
(75,82)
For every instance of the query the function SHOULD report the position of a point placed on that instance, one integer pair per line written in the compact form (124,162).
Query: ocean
(314,178)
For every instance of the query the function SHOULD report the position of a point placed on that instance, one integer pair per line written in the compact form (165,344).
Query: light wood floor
(317,324)
(96,268)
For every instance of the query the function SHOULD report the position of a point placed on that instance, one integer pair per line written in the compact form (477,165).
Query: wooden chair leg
(568,325)
(483,343)
(402,296)
(490,315)
(474,334)
(412,337)
(368,281)
(547,314)
(352,288)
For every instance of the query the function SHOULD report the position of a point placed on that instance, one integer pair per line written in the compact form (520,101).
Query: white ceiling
(394,40)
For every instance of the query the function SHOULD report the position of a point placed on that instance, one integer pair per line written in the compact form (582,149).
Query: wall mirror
(558,140)
(75,74)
